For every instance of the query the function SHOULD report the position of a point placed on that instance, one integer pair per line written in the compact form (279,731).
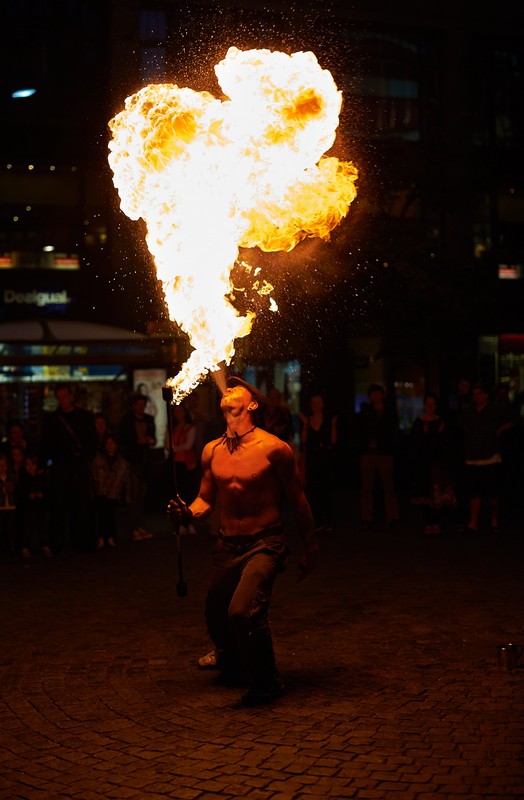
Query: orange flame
(209,176)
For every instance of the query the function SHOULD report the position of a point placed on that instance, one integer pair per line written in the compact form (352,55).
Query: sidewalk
(388,651)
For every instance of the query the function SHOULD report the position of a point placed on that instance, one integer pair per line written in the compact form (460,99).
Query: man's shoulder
(209,447)
(273,444)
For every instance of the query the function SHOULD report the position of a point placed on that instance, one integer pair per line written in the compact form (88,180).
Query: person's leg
(58,515)
(493,483)
(386,465)
(224,579)
(473,481)
(367,480)
(248,613)
(475,504)
(81,519)
(318,498)
(111,521)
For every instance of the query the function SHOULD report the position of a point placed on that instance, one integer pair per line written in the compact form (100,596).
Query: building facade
(422,282)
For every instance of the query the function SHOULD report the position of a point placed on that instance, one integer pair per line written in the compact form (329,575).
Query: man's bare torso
(248,483)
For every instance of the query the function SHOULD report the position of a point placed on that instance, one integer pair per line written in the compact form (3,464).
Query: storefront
(103,362)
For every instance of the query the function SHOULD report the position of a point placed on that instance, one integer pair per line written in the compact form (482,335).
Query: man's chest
(248,470)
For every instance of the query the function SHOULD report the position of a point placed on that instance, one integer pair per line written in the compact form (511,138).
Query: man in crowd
(482,425)
(67,446)
(136,437)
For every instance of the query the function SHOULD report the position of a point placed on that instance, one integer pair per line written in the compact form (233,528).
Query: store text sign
(36,298)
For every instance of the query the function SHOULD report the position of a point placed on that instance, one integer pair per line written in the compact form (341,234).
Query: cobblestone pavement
(388,650)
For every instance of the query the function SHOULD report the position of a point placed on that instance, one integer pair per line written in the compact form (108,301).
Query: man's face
(376,397)
(236,400)
(139,406)
(480,397)
(64,398)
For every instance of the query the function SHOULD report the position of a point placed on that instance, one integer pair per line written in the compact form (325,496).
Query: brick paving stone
(388,650)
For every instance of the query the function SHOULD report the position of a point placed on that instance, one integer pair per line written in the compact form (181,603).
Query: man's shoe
(259,696)
(209,661)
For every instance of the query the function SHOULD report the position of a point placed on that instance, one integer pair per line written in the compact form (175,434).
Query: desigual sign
(36,298)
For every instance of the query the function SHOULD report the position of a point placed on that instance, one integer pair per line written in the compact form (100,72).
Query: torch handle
(167,394)
(181,587)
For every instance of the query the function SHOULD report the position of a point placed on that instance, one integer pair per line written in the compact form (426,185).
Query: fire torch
(181,587)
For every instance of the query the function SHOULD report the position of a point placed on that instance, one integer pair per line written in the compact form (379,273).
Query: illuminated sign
(36,298)
(510,272)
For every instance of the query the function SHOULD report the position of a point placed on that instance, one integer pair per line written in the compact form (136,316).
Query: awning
(63,331)
(55,342)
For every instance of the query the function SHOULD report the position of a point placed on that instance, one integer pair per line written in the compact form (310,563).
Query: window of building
(153,35)
(391,73)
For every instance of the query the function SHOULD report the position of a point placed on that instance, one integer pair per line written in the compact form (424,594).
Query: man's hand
(308,561)
(179,511)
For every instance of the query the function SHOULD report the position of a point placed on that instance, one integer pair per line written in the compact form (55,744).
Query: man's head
(480,395)
(241,396)
(64,397)
(138,404)
(464,386)
(376,394)
(15,432)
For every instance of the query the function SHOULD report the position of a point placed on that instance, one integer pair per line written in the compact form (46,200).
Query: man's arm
(204,503)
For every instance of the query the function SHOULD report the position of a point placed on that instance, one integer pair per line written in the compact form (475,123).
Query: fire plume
(210,175)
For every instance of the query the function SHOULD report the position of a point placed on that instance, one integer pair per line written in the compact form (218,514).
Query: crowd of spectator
(462,462)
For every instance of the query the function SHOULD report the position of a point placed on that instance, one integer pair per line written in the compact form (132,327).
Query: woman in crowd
(318,438)
(184,454)
(430,487)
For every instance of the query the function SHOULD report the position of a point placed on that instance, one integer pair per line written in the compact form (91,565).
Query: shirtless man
(249,472)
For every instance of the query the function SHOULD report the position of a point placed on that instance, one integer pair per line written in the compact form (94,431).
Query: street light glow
(21,93)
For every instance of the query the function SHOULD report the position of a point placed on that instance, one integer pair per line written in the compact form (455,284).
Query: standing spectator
(102,431)
(151,407)
(277,417)
(377,431)
(428,458)
(461,399)
(318,438)
(7,507)
(183,450)
(510,454)
(110,473)
(16,459)
(136,437)
(200,420)
(67,446)
(15,437)
(458,402)
(482,425)
(33,507)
